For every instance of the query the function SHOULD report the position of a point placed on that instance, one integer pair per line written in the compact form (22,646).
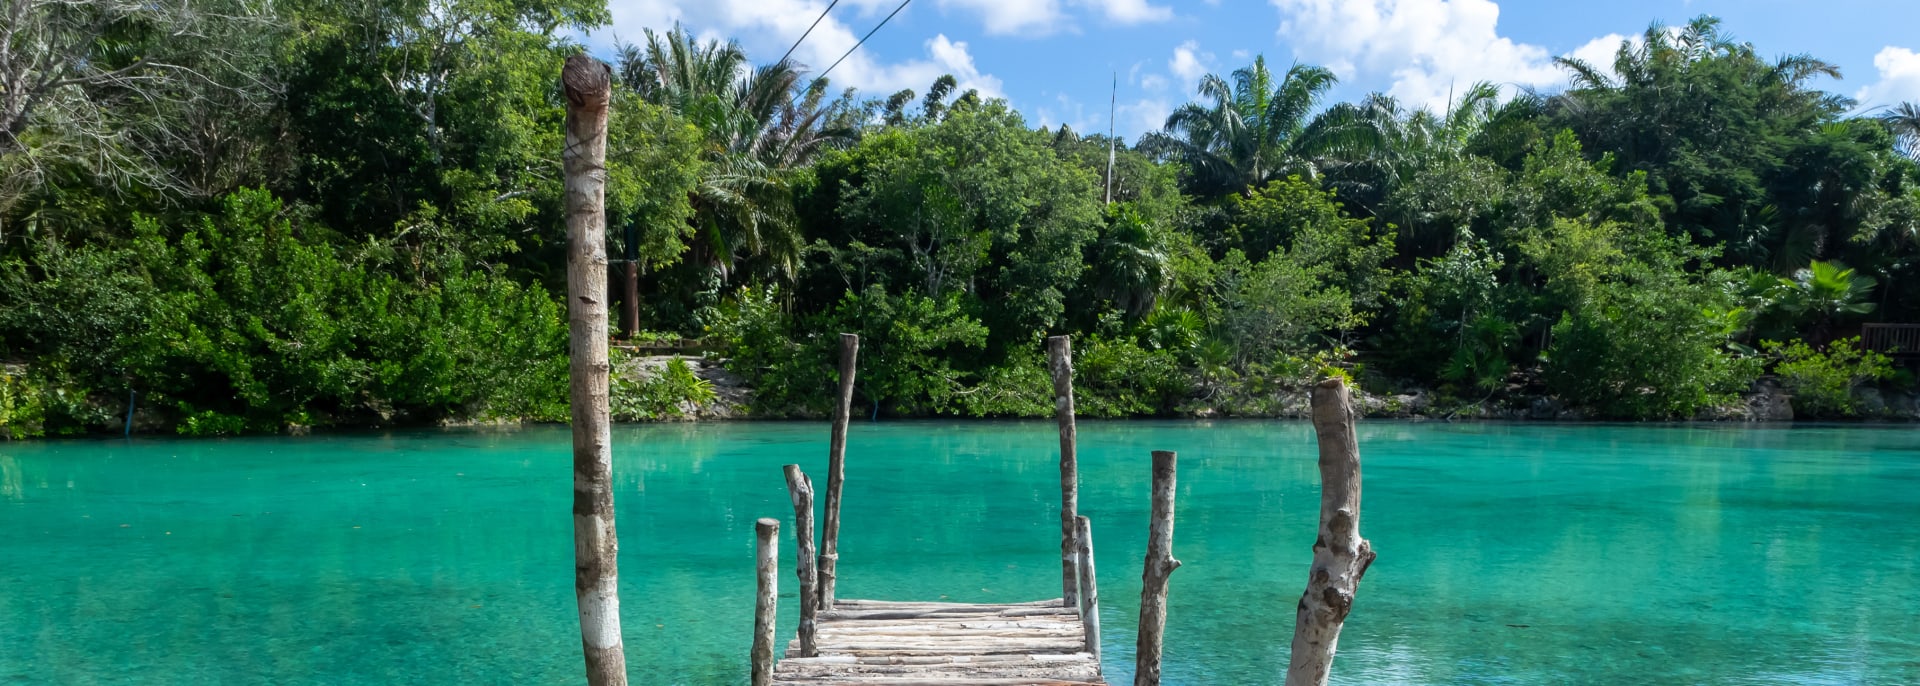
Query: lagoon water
(1508,554)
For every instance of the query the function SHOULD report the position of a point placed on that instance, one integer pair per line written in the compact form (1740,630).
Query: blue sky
(1055,59)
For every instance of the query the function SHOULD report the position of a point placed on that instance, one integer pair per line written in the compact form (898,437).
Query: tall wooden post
(837,470)
(766,533)
(630,285)
(1340,555)
(1089,588)
(596,549)
(1060,363)
(800,489)
(1153,582)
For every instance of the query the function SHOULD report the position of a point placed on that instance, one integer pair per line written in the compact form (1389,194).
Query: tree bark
(630,300)
(837,470)
(800,489)
(1340,555)
(596,548)
(1089,587)
(1060,363)
(1160,564)
(767,563)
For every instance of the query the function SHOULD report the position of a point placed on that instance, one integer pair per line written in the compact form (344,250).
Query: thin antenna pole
(1113,101)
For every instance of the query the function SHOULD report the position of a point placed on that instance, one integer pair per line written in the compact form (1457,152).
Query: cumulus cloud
(1899,82)
(1426,49)
(1188,64)
(1039,17)
(766,27)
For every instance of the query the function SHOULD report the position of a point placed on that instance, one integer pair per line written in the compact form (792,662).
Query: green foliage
(22,409)
(1822,381)
(1653,348)
(672,391)
(1118,378)
(351,214)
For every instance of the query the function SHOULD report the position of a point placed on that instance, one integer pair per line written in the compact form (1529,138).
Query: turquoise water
(1512,554)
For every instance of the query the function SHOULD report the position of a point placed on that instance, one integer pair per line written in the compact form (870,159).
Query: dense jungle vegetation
(349,214)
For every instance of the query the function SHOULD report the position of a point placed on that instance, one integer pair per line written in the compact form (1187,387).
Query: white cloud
(1041,17)
(1144,115)
(767,27)
(1426,49)
(1899,78)
(1189,64)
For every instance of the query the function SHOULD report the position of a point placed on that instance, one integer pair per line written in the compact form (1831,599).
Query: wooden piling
(1060,363)
(767,559)
(1340,555)
(800,489)
(1159,565)
(836,471)
(596,548)
(1089,589)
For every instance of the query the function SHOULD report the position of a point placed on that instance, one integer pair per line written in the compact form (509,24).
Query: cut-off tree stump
(1060,364)
(1159,565)
(1089,588)
(766,533)
(837,471)
(800,489)
(1340,555)
(596,548)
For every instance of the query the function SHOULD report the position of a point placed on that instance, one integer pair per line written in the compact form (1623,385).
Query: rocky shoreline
(1765,402)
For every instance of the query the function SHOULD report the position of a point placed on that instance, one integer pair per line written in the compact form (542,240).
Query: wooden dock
(886,642)
(1052,642)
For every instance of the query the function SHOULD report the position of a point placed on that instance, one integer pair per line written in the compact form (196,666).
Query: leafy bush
(1822,382)
(1118,378)
(22,410)
(1648,350)
(671,391)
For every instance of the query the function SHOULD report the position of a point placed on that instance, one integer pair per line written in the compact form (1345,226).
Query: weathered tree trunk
(837,470)
(1160,565)
(1340,555)
(800,489)
(596,550)
(766,533)
(1060,363)
(630,300)
(1089,588)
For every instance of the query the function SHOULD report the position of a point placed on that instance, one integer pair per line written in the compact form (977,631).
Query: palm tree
(759,123)
(1246,133)
(1132,269)
(1825,290)
(1903,120)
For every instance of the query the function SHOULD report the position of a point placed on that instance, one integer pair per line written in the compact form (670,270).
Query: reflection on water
(1508,553)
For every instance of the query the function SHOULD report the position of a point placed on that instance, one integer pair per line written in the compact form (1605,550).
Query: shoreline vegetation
(348,216)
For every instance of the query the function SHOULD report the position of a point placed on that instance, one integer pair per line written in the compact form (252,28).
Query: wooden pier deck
(1053,642)
(887,642)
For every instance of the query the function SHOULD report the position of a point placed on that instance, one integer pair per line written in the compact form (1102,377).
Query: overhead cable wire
(863,39)
(803,36)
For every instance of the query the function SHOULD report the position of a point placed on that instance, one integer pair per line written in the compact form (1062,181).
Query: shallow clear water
(1508,553)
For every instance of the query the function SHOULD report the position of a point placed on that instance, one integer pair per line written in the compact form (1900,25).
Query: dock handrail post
(596,548)
(1159,565)
(1089,589)
(767,560)
(1060,364)
(1340,555)
(837,470)
(800,489)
